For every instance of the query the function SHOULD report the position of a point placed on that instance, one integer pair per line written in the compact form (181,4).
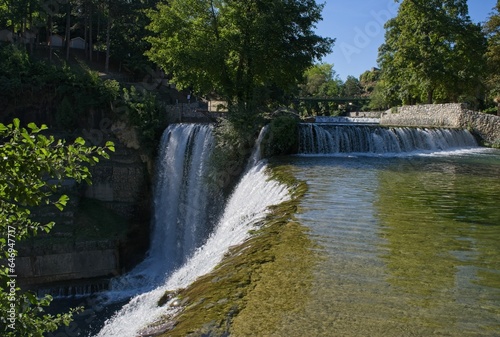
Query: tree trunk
(98,31)
(108,41)
(86,29)
(90,45)
(68,26)
(430,94)
(49,42)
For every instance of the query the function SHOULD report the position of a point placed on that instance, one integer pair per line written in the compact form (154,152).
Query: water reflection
(410,244)
(441,222)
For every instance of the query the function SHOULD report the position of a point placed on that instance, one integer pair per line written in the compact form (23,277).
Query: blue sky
(358,27)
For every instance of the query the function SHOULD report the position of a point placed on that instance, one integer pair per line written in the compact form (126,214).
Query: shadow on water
(87,323)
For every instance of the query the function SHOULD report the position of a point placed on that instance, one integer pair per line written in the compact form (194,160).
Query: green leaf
(61,203)
(111,146)
(33,127)
(80,141)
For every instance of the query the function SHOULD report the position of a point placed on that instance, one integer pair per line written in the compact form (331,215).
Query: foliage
(33,167)
(128,34)
(236,48)
(492,29)
(352,87)
(144,112)
(433,52)
(319,80)
(68,92)
(368,80)
(282,137)
(371,86)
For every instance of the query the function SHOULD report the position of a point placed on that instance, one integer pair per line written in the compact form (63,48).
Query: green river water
(410,246)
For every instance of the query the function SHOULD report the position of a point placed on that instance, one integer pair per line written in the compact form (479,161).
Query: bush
(282,137)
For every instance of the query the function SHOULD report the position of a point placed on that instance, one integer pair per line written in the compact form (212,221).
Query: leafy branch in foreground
(32,169)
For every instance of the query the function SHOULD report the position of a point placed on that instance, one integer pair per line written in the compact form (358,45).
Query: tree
(237,49)
(32,169)
(492,29)
(320,80)
(368,80)
(351,87)
(433,50)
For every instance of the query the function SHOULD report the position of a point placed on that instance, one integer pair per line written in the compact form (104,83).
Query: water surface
(411,246)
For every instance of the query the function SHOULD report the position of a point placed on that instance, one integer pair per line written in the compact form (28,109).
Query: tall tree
(236,48)
(431,47)
(351,87)
(320,80)
(492,29)
(128,32)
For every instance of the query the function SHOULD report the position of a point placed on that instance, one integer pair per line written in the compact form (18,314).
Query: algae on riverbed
(270,271)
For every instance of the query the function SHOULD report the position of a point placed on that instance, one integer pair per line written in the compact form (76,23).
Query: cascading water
(256,155)
(181,194)
(247,206)
(182,208)
(332,139)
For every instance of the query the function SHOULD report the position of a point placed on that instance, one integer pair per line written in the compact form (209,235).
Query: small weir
(373,139)
(74,289)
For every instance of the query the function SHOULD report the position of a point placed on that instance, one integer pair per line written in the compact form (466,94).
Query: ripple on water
(410,246)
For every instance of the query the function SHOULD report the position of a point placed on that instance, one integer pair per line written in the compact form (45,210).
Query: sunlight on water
(411,246)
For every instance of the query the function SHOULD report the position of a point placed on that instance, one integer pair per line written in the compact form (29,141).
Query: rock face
(453,115)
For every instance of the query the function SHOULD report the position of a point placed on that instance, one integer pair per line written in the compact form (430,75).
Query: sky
(358,27)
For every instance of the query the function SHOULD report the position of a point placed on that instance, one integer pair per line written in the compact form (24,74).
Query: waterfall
(256,155)
(332,139)
(180,196)
(247,206)
(182,208)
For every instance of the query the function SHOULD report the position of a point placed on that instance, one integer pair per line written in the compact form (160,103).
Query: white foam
(247,206)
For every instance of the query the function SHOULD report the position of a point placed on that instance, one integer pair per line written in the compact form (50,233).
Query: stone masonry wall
(453,115)
(120,184)
(83,261)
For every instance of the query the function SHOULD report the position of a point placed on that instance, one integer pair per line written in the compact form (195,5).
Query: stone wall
(486,126)
(123,181)
(366,114)
(453,115)
(122,186)
(82,260)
